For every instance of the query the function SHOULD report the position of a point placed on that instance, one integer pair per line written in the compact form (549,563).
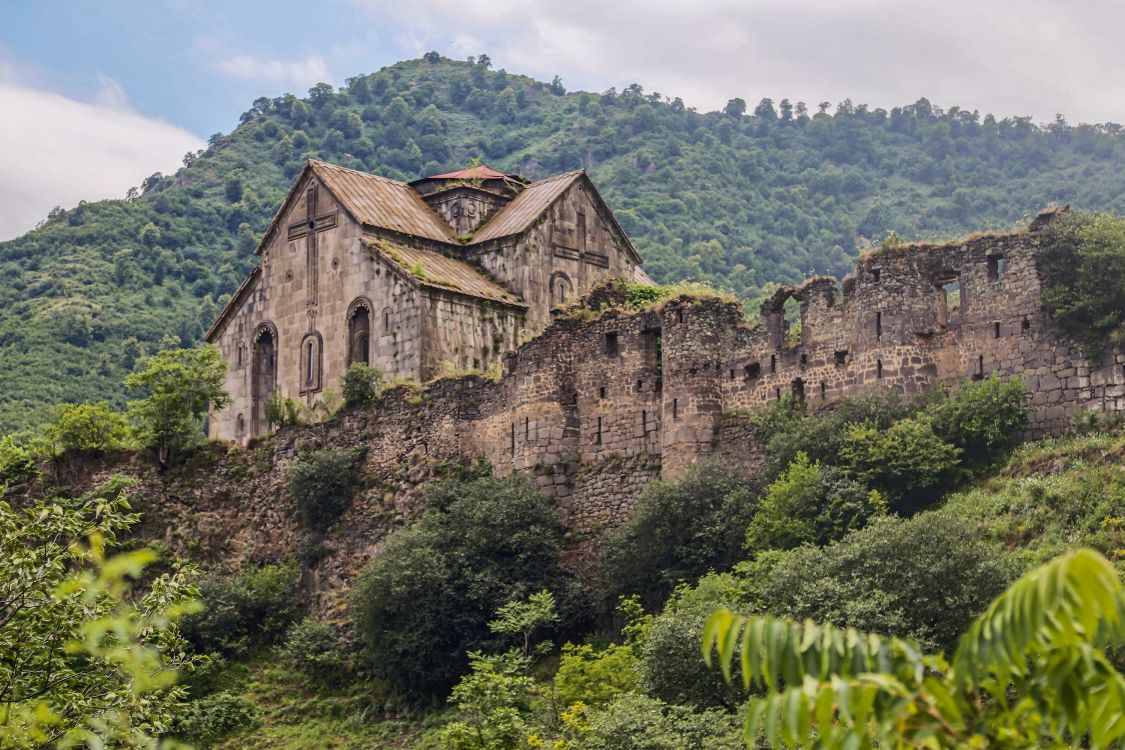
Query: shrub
(820,436)
(313,647)
(906,462)
(924,577)
(983,420)
(639,722)
(595,677)
(283,411)
(679,531)
(323,482)
(493,703)
(361,384)
(213,717)
(1082,259)
(667,646)
(17,464)
(86,427)
(253,607)
(809,503)
(429,597)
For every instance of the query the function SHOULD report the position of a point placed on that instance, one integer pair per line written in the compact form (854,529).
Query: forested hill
(736,198)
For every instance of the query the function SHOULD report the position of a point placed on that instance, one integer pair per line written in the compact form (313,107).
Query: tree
(429,596)
(735,108)
(181,385)
(923,577)
(89,656)
(521,619)
(1031,671)
(86,427)
(678,531)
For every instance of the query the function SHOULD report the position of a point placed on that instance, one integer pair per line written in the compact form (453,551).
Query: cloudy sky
(95,96)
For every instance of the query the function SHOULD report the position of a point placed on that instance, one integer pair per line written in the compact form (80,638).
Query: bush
(493,703)
(1082,259)
(820,436)
(17,464)
(924,577)
(283,411)
(361,384)
(907,462)
(679,531)
(809,503)
(595,677)
(667,645)
(86,427)
(983,420)
(214,717)
(638,722)
(253,607)
(323,482)
(429,597)
(313,647)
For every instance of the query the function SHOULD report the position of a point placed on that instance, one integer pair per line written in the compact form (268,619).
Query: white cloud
(58,151)
(297,73)
(1011,57)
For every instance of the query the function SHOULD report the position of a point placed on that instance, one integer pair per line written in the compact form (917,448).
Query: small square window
(995,267)
(841,358)
(876,275)
(752,370)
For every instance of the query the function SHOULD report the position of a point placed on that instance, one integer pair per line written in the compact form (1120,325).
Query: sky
(95,96)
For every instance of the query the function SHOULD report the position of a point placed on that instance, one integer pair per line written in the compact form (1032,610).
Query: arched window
(359,331)
(387,320)
(561,289)
(311,363)
(264,380)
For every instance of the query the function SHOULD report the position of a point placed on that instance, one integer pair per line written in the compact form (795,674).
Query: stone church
(443,274)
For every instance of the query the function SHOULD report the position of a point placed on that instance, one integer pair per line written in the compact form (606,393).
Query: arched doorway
(359,332)
(264,381)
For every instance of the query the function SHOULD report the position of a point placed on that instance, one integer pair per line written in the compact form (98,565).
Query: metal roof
(382,202)
(435,270)
(479,172)
(526,207)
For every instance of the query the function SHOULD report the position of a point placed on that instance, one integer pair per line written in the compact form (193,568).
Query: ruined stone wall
(603,402)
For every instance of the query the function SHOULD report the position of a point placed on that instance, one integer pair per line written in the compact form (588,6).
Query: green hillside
(735,198)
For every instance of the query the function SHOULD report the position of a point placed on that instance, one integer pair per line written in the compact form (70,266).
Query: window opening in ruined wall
(995,267)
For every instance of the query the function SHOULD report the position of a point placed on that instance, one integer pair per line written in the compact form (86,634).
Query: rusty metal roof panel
(526,207)
(383,203)
(435,270)
(479,172)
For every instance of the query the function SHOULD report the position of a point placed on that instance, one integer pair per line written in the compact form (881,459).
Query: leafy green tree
(253,607)
(679,531)
(809,503)
(667,645)
(523,618)
(923,577)
(984,420)
(1083,262)
(907,462)
(494,704)
(1030,672)
(90,656)
(17,463)
(180,386)
(86,427)
(429,596)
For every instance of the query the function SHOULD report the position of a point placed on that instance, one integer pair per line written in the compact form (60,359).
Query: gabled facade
(446,273)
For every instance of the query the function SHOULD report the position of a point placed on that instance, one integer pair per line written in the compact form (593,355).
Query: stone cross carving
(309,228)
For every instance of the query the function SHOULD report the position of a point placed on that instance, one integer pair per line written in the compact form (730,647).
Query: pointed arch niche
(359,331)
